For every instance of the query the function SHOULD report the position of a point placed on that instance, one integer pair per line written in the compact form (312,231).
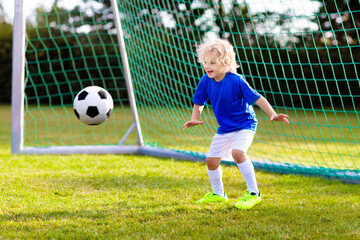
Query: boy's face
(213,68)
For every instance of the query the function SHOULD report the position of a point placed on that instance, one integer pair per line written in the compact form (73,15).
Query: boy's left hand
(191,124)
(280,117)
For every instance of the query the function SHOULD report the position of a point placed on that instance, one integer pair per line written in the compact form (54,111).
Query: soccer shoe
(248,201)
(210,197)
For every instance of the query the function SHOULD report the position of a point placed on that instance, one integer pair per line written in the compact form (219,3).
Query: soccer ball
(93,105)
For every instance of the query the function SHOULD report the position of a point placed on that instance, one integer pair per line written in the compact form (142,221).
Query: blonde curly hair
(221,49)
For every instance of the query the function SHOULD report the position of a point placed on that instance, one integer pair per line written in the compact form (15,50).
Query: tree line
(5,57)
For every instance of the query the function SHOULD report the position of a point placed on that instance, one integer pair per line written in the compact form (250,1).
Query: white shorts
(223,144)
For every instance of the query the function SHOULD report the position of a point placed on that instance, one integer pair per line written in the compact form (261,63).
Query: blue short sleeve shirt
(231,100)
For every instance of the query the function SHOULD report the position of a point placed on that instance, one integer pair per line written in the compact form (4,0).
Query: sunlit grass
(132,197)
(140,197)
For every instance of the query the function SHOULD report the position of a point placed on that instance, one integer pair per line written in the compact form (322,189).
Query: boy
(231,98)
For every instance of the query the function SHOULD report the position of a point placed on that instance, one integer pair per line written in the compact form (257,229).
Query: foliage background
(329,79)
(5,57)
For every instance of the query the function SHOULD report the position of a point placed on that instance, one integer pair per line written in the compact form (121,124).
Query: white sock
(247,170)
(216,181)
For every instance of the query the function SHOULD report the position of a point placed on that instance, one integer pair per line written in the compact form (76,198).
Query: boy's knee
(212,163)
(239,156)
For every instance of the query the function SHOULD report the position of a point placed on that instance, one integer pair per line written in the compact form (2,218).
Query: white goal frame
(17,104)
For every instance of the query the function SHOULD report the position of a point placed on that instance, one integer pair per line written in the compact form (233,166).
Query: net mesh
(301,55)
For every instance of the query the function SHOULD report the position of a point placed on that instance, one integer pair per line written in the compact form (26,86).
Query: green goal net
(302,55)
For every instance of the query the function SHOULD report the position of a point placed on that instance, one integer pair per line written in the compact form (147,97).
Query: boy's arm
(266,107)
(197,110)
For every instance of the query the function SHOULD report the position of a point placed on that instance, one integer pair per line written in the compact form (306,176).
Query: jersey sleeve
(201,95)
(247,92)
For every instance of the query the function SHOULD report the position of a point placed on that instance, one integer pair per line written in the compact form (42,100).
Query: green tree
(5,57)
(338,42)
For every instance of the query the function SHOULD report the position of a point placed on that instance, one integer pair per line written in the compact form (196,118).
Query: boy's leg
(242,141)
(252,196)
(247,171)
(219,147)
(215,175)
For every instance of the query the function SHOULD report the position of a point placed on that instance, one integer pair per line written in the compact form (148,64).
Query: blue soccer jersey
(231,100)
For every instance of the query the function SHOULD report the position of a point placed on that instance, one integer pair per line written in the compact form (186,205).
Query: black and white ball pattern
(93,105)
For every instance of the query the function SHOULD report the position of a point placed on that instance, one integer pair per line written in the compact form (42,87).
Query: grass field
(141,197)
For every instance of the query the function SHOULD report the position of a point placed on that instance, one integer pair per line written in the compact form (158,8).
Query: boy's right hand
(191,124)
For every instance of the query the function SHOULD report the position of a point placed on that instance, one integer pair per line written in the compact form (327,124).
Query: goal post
(18,89)
(18,73)
(303,56)
(129,86)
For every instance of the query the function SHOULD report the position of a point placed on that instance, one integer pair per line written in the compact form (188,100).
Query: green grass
(140,197)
